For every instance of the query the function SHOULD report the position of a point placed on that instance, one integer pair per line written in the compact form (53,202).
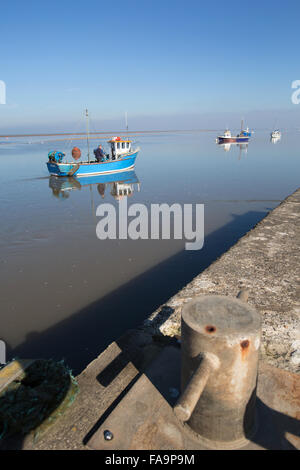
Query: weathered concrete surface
(267,261)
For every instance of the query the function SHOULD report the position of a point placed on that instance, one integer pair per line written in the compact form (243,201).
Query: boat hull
(224,140)
(88,169)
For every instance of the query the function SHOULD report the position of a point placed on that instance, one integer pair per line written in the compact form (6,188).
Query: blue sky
(179,64)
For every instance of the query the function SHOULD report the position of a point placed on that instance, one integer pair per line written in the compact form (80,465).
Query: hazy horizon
(256,120)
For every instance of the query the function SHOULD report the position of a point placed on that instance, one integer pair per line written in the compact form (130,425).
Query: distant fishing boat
(276,134)
(228,138)
(121,158)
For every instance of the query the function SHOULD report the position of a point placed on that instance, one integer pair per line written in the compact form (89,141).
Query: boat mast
(126,123)
(87,133)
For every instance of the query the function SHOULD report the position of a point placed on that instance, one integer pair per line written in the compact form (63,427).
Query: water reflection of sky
(60,285)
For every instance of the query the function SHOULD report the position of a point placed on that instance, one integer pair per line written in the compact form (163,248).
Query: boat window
(123,145)
(118,145)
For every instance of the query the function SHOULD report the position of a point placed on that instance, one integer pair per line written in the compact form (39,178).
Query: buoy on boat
(76,153)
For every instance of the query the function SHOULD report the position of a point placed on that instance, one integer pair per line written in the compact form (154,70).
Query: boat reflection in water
(243,148)
(120,184)
(275,140)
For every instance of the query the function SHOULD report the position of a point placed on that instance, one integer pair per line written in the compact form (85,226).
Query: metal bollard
(220,338)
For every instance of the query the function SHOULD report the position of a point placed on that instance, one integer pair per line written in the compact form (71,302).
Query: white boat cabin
(119,146)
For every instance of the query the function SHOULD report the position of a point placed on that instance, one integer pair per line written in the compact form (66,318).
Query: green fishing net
(36,398)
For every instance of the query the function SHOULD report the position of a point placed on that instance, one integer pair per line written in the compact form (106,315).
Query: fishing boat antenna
(87,133)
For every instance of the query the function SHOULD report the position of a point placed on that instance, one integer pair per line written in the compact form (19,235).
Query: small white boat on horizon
(276,134)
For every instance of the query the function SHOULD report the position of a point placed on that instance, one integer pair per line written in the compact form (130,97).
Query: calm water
(65,293)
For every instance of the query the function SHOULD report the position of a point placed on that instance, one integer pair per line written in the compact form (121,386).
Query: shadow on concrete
(81,337)
(273,427)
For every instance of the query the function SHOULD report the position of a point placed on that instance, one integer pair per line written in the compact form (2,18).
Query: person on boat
(113,153)
(99,154)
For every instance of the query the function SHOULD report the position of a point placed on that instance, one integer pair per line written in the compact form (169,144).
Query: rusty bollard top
(220,345)
(221,317)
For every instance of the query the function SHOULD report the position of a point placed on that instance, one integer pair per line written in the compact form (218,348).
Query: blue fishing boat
(120,158)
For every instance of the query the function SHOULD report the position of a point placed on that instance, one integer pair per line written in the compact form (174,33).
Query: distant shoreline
(108,134)
(105,133)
